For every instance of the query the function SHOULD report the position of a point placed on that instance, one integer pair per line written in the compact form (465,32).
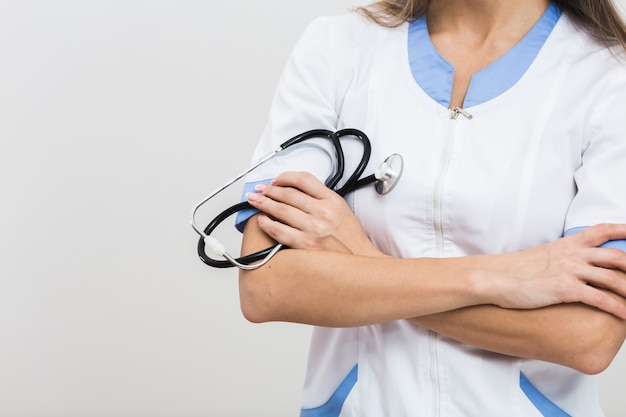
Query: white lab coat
(545,156)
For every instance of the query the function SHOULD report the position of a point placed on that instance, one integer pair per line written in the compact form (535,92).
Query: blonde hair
(599,18)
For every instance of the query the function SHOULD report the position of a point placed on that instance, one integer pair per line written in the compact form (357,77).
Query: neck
(471,34)
(478,20)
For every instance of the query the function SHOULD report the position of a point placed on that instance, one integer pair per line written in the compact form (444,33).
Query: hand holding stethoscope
(384,180)
(301,213)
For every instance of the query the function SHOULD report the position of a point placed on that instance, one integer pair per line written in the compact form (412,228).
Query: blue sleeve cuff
(244,215)
(618,244)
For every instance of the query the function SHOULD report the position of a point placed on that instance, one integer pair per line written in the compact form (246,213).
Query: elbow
(597,359)
(251,310)
(252,315)
(593,363)
(600,346)
(254,298)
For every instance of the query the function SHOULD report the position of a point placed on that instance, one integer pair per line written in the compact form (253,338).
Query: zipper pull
(456,110)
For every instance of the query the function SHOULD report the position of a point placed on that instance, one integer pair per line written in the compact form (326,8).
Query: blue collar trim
(435,75)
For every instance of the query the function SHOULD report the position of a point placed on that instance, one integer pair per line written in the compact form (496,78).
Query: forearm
(338,290)
(329,288)
(574,335)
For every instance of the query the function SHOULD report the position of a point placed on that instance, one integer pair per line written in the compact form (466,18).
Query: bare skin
(556,302)
(561,302)
(472,34)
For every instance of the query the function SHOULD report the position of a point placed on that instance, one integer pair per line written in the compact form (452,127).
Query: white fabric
(545,156)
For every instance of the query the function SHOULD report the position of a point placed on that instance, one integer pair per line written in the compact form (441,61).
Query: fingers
(601,268)
(599,234)
(286,205)
(602,301)
(281,232)
(294,194)
(303,181)
(608,258)
(299,190)
(319,220)
(601,272)
(609,279)
(569,271)
(290,210)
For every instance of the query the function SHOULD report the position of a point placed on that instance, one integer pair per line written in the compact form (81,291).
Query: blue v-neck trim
(435,75)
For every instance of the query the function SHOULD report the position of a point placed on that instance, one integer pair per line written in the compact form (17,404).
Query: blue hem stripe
(333,406)
(546,407)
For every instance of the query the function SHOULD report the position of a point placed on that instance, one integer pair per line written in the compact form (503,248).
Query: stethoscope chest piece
(388,173)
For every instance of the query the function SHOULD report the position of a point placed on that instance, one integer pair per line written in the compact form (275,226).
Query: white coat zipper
(434,373)
(438,226)
(443,171)
(455,111)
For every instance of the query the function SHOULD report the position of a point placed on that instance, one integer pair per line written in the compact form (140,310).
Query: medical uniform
(543,154)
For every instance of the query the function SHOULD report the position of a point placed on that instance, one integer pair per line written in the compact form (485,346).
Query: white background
(115,118)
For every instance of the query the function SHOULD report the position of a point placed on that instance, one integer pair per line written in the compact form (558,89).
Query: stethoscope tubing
(244,260)
(257,259)
(261,257)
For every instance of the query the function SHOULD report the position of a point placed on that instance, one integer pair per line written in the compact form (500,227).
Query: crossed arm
(561,302)
(572,334)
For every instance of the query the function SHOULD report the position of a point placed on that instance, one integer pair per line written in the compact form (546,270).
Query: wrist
(488,278)
(367,248)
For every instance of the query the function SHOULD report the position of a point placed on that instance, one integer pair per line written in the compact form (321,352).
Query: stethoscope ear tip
(388,173)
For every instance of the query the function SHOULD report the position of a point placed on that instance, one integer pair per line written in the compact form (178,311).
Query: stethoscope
(384,178)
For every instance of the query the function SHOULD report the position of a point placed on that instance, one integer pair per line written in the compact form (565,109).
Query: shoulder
(594,74)
(346,34)
(585,51)
(349,26)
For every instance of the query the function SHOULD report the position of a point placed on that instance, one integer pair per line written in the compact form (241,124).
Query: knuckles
(296,179)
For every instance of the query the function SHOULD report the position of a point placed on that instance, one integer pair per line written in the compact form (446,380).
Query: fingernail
(252,196)
(260,187)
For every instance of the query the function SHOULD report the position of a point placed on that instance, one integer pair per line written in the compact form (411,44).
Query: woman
(456,294)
